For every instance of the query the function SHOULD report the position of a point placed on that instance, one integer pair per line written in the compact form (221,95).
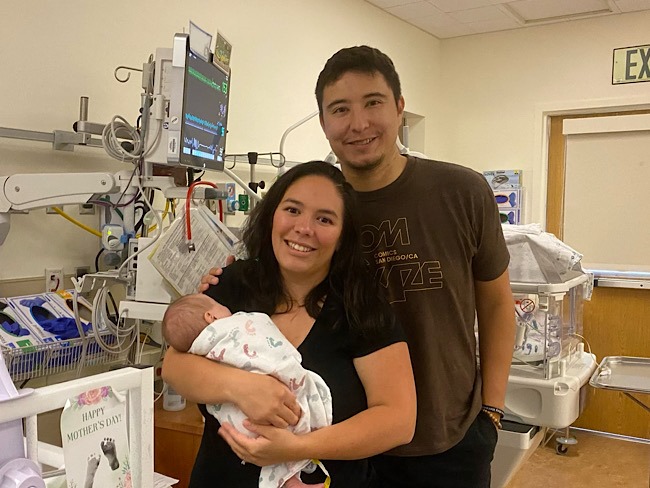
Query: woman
(306,271)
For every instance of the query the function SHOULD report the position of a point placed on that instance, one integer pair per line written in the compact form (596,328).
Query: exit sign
(631,65)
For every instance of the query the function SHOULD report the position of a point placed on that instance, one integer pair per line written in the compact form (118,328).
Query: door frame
(542,128)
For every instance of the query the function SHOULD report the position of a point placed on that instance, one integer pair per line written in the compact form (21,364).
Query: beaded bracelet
(498,411)
(495,414)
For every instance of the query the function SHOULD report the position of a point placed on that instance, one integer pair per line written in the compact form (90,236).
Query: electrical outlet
(81,270)
(53,279)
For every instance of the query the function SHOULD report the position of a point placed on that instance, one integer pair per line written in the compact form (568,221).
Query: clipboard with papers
(213,243)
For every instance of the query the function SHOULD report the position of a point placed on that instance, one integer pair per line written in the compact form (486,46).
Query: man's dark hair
(360,59)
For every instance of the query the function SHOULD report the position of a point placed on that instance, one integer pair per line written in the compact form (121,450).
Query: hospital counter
(177,436)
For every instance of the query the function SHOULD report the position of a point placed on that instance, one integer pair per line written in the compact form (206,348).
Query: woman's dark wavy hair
(348,279)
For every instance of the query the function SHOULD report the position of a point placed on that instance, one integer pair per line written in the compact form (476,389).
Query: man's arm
(262,398)
(496,330)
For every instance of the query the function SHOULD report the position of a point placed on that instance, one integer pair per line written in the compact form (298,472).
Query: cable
(76,222)
(143,248)
(162,218)
(159,395)
(141,208)
(97,259)
(586,341)
(173,209)
(138,357)
(136,169)
(188,200)
(139,224)
(154,143)
(124,335)
(82,335)
(163,350)
(119,128)
(115,309)
(110,204)
(103,201)
(55,286)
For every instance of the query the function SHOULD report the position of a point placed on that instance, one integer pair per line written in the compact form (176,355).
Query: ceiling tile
(457,5)
(505,23)
(414,10)
(390,3)
(442,30)
(483,14)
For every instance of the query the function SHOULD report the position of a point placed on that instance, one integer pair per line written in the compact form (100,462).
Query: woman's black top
(328,351)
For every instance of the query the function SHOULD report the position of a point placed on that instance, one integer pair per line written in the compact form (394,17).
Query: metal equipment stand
(625,374)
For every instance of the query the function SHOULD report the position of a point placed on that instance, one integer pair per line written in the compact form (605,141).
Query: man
(432,234)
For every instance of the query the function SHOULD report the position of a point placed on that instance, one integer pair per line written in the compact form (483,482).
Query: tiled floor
(596,461)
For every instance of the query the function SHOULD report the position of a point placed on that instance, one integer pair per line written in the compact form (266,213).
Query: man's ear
(400,105)
(322,122)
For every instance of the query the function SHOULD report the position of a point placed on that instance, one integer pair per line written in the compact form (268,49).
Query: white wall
(497,86)
(483,96)
(63,50)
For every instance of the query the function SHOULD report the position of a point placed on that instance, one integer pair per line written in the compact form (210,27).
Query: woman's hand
(266,400)
(262,398)
(272,446)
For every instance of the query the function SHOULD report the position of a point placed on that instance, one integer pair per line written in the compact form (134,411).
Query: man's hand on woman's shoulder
(212,278)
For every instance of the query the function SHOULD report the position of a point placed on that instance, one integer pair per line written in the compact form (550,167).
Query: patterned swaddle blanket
(252,342)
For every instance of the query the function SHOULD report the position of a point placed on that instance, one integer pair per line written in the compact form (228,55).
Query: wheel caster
(563,442)
(561,449)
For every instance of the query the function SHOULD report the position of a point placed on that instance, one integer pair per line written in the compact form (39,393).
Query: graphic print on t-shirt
(398,268)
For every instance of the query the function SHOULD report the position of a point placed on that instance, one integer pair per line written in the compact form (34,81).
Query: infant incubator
(550,368)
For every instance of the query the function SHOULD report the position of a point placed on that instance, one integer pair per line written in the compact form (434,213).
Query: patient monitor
(190,109)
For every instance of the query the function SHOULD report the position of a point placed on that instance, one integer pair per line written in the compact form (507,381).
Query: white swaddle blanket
(252,342)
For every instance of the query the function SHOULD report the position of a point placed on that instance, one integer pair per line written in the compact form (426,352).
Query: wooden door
(616,320)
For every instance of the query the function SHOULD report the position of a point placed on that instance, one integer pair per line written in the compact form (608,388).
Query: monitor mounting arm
(23,192)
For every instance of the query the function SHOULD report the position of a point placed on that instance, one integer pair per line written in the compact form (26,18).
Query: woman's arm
(388,422)
(262,398)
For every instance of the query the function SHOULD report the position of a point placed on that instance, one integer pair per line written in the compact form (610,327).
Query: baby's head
(187,317)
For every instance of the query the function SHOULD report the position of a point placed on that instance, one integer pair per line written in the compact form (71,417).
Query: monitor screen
(205,113)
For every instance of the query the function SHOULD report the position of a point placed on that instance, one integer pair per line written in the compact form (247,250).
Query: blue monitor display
(205,114)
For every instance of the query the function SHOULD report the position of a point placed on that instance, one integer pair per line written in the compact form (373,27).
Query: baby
(250,341)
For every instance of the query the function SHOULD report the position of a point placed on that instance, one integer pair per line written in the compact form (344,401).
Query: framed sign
(631,65)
